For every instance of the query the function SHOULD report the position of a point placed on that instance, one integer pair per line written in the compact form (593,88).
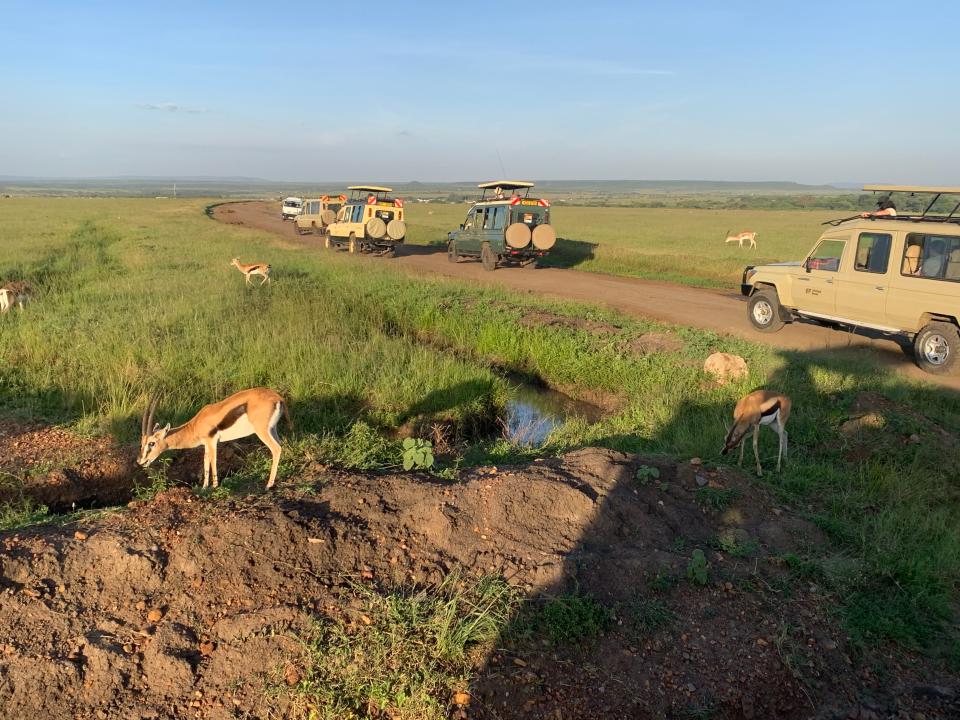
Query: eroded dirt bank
(182,607)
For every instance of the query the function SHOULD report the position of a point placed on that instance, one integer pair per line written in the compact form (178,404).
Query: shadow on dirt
(647,630)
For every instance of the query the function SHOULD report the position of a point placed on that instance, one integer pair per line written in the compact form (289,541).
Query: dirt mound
(188,608)
(57,468)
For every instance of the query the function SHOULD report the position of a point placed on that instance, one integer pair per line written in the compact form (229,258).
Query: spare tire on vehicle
(376,228)
(544,237)
(396,229)
(517,236)
(327,216)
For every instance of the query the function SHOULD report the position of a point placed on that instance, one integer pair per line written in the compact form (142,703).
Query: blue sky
(814,92)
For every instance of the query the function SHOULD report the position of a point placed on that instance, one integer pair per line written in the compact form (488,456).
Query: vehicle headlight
(749,274)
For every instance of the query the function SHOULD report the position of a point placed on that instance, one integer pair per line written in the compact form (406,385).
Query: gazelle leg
(756,448)
(213,463)
(206,465)
(273,445)
(743,441)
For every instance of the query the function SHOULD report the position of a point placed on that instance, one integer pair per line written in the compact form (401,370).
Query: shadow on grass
(569,253)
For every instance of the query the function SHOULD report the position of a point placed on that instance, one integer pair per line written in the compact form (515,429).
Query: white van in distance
(292,206)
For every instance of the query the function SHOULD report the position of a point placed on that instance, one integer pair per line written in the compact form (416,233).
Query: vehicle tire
(936,347)
(327,242)
(353,246)
(389,252)
(452,254)
(531,264)
(487,257)
(764,312)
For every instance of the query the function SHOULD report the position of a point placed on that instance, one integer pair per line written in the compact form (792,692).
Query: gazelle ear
(166,429)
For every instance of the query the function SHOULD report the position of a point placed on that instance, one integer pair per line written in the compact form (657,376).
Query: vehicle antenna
(500,160)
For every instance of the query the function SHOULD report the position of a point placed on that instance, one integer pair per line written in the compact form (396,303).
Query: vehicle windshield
(531,216)
(291,203)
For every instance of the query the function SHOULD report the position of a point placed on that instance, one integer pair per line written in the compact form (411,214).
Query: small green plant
(697,568)
(716,498)
(362,448)
(572,618)
(663,581)
(21,514)
(646,473)
(417,454)
(157,482)
(736,543)
(648,615)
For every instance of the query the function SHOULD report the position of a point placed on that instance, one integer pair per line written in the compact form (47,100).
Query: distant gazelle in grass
(761,407)
(15,292)
(248,412)
(261,269)
(741,237)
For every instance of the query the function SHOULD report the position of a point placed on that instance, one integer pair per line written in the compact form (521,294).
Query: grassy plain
(136,296)
(680,245)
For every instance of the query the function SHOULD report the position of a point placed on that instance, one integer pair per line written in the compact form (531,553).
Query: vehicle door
(468,239)
(866,280)
(496,223)
(817,287)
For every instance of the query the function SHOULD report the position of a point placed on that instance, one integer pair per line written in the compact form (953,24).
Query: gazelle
(15,292)
(261,269)
(741,237)
(761,407)
(255,411)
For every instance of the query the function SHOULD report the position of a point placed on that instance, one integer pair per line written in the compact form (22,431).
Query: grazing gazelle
(255,411)
(261,269)
(741,237)
(15,292)
(761,407)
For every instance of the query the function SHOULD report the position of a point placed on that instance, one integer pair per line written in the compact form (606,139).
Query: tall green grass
(137,297)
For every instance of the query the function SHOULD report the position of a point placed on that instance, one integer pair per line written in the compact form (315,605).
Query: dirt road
(694,307)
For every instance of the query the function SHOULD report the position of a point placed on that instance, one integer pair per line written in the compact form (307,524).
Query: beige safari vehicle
(317,213)
(370,221)
(894,274)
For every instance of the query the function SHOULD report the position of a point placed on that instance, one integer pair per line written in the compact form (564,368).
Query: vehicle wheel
(389,253)
(353,247)
(532,264)
(488,257)
(936,347)
(452,254)
(327,243)
(763,310)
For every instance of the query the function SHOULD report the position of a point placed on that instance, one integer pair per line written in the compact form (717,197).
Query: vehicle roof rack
(505,184)
(369,188)
(925,216)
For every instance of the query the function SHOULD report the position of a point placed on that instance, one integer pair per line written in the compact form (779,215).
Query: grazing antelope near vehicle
(15,292)
(761,407)
(261,269)
(255,411)
(741,237)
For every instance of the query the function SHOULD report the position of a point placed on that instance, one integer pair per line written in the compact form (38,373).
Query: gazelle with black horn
(261,269)
(761,407)
(248,412)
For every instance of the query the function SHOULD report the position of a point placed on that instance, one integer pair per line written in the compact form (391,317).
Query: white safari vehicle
(291,207)
(897,273)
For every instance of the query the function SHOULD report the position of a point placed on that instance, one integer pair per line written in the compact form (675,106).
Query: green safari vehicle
(505,226)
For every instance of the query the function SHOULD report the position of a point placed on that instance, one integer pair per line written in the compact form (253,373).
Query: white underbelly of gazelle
(241,428)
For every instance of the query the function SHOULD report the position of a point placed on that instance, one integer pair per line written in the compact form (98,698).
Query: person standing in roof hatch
(885,207)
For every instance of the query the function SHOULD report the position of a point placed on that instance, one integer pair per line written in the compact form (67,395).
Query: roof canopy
(912,189)
(506,184)
(370,188)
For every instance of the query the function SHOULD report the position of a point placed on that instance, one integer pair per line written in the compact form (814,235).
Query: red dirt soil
(188,608)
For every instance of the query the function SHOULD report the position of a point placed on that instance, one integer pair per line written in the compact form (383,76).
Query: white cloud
(169,107)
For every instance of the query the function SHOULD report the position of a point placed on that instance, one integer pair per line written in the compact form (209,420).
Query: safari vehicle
(368,222)
(501,228)
(317,213)
(894,274)
(290,208)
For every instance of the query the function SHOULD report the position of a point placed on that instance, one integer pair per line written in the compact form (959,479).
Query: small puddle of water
(533,412)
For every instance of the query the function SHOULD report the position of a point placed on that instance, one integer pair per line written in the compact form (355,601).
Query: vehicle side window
(358,213)
(487,218)
(826,256)
(935,257)
(873,252)
(499,217)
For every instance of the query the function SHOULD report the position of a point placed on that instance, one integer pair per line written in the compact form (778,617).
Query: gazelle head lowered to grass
(249,412)
(761,407)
